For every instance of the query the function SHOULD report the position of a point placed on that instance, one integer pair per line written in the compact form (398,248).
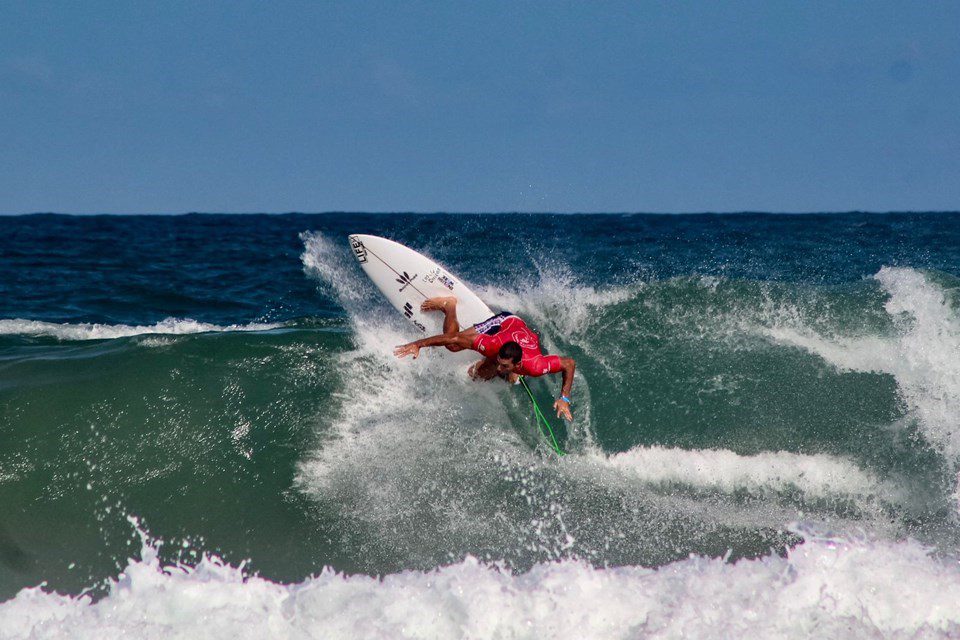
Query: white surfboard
(407,278)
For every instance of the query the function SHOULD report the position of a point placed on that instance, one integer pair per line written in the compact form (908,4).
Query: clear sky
(487,106)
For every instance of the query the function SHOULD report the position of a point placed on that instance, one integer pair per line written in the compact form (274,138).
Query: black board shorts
(491,326)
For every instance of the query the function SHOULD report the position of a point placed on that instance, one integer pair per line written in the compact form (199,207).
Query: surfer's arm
(413,348)
(568,366)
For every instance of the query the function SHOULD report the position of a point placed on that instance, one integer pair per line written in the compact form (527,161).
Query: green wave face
(198,434)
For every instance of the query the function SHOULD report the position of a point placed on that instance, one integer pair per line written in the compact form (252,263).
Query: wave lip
(93,331)
(922,354)
(816,476)
(838,587)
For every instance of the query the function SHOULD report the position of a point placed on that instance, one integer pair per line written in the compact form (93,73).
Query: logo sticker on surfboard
(406,279)
(359,250)
(437,275)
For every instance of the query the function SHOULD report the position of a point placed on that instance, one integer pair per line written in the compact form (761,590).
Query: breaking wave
(826,586)
(92,331)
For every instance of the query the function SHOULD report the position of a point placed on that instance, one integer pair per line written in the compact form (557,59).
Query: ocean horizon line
(747,212)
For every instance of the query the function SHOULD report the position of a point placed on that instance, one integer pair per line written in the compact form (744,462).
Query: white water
(85,331)
(398,426)
(825,587)
(816,476)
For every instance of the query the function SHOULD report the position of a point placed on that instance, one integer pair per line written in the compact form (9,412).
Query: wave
(406,446)
(922,353)
(816,476)
(403,440)
(92,331)
(838,586)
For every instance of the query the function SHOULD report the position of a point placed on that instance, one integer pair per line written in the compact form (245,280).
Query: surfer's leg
(448,305)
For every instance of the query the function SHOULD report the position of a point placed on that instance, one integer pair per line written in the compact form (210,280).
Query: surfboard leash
(542,422)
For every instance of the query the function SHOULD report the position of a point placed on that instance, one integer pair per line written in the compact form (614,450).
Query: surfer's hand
(474,370)
(563,410)
(409,349)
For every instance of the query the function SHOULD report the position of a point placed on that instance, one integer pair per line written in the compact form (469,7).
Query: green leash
(542,423)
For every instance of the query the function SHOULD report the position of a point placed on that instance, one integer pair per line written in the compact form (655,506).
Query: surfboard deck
(407,278)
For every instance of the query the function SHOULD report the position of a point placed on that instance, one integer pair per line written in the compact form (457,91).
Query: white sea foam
(815,476)
(825,587)
(923,354)
(394,426)
(85,331)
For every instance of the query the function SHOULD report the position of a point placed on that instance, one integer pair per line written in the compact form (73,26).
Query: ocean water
(204,433)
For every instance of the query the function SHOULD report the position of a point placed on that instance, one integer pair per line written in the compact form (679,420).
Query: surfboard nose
(407,278)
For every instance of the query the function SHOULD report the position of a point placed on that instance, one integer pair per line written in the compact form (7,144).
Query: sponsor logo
(408,310)
(406,279)
(359,250)
(524,339)
(419,326)
(437,275)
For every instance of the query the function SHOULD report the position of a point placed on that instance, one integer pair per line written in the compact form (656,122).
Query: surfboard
(407,278)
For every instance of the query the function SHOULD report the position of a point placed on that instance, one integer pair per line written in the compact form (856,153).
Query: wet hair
(511,351)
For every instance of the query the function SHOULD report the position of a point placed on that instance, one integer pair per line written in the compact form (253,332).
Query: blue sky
(515,106)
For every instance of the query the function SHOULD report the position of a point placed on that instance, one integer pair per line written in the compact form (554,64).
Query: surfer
(509,347)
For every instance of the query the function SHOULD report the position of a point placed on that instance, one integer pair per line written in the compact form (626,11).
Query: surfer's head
(508,358)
